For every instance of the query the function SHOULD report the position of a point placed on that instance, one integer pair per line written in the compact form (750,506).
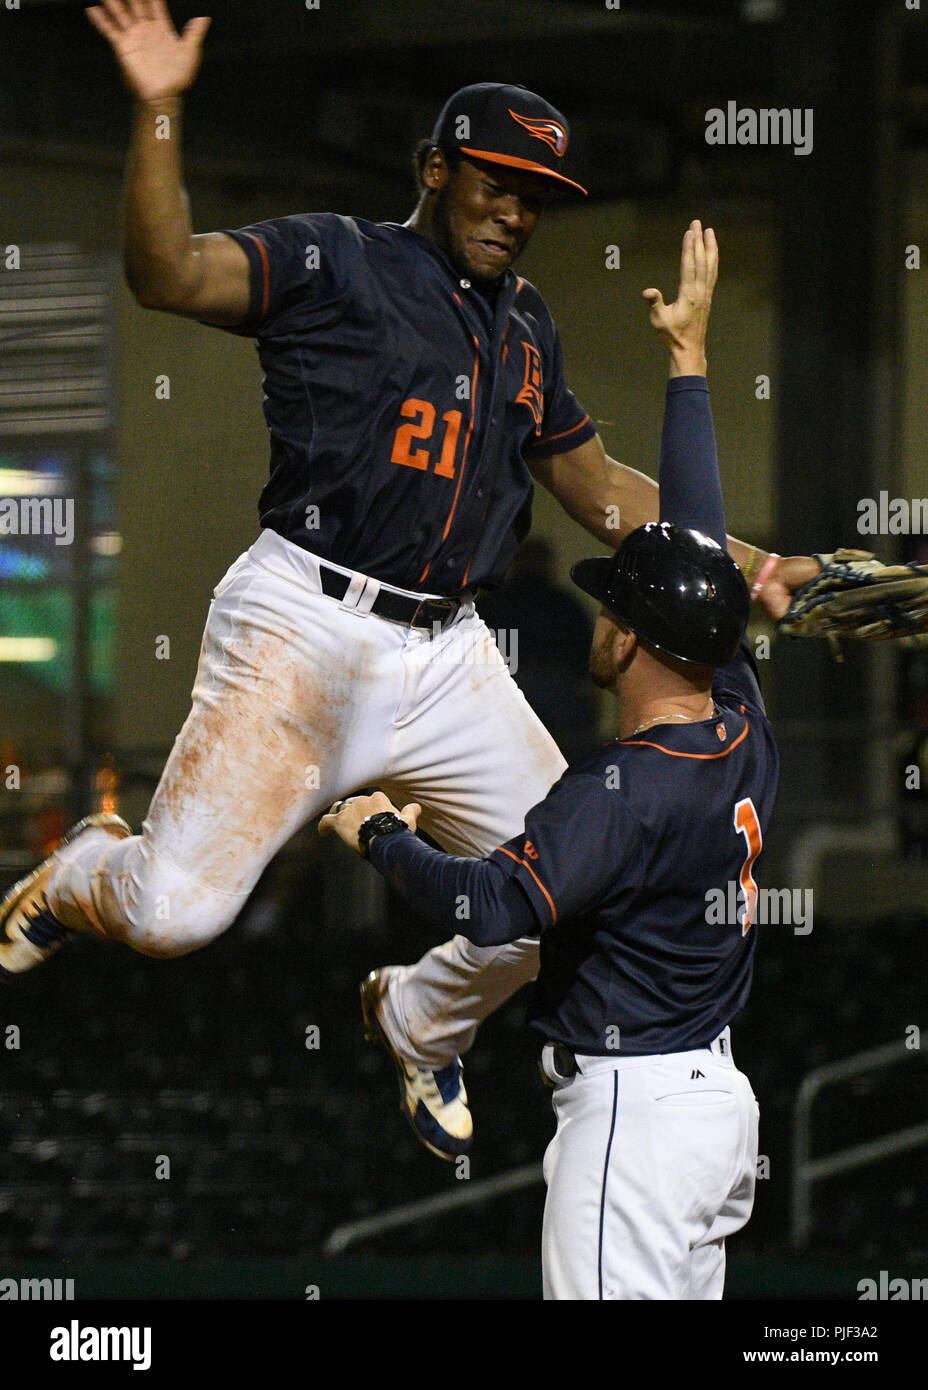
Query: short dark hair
(421,153)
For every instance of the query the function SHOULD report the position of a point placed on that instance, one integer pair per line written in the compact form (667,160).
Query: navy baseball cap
(506,125)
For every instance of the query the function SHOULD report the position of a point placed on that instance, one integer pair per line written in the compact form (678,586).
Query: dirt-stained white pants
(300,699)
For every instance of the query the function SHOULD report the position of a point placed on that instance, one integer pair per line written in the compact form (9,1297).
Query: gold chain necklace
(660,718)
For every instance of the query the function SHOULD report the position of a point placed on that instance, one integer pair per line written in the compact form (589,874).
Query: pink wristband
(766,570)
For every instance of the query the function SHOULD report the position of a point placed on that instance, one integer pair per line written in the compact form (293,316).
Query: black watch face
(381,824)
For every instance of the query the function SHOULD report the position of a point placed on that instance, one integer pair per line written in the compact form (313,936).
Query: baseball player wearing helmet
(653,1162)
(414,392)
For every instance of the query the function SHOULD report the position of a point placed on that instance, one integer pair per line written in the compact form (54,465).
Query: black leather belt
(396,608)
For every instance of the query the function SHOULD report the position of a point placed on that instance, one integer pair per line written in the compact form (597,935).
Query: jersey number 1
(745,820)
(421,414)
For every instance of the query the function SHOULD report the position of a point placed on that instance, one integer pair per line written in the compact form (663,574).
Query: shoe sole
(371,992)
(99,821)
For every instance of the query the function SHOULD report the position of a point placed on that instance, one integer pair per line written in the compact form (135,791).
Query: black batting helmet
(676,589)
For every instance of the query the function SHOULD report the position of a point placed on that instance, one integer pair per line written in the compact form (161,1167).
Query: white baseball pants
(300,699)
(653,1164)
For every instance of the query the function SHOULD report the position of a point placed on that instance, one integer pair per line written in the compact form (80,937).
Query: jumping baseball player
(653,1161)
(414,393)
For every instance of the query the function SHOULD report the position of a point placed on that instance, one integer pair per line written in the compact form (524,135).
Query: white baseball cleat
(434,1102)
(29,930)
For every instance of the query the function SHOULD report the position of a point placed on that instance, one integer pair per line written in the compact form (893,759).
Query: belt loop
(368,596)
(557,1064)
(355,590)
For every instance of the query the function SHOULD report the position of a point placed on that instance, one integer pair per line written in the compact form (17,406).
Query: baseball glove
(856,595)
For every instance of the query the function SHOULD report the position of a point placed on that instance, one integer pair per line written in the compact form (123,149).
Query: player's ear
(624,646)
(435,171)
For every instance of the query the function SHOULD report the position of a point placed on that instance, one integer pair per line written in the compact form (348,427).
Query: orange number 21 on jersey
(421,415)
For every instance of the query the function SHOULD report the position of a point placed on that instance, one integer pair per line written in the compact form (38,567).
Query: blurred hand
(345,817)
(791,573)
(156,62)
(683,325)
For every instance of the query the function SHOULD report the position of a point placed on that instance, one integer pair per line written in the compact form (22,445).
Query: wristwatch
(384,823)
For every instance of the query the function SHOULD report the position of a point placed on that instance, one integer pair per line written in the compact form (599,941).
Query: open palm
(683,324)
(155,60)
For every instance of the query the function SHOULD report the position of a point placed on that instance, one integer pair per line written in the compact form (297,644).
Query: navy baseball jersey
(402,403)
(627,863)
(638,867)
(638,872)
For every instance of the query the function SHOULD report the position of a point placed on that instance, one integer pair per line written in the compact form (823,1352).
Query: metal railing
(410,1213)
(806,1170)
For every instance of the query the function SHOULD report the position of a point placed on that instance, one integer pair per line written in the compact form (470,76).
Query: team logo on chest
(532,391)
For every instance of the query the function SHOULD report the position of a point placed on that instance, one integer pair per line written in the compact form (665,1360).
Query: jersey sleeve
(578,843)
(303,259)
(739,681)
(565,424)
(690,488)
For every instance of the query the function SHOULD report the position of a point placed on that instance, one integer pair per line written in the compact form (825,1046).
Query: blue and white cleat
(434,1102)
(29,930)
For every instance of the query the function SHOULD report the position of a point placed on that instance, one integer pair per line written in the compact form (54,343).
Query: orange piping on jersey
(470,426)
(526,865)
(671,753)
(262,250)
(563,435)
(457,492)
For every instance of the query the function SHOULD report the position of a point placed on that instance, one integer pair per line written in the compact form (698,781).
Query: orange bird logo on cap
(542,128)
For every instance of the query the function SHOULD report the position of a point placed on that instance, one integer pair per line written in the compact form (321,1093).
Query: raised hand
(683,325)
(156,62)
